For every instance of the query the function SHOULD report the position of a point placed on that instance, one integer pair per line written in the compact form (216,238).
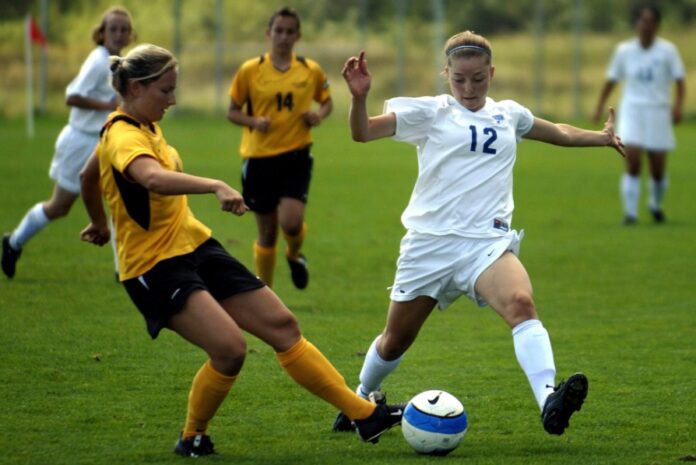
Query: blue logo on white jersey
(498,118)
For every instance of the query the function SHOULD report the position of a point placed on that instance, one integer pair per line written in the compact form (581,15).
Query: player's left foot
(658,215)
(9,257)
(195,446)
(383,418)
(566,399)
(299,272)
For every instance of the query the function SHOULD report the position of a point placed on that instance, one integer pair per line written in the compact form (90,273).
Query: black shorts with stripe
(164,289)
(268,179)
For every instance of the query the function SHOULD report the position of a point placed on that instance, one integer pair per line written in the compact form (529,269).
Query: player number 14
(492,136)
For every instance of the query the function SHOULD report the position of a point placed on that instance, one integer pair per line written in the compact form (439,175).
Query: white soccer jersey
(648,73)
(93,81)
(465,162)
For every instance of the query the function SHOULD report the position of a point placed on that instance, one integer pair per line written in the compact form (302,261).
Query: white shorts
(446,267)
(73,148)
(646,126)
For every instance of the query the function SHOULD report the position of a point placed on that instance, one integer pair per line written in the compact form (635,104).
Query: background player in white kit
(648,65)
(92,99)
(459,238)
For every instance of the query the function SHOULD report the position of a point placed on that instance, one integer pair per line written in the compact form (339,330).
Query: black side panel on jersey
(135,197)
(303,60)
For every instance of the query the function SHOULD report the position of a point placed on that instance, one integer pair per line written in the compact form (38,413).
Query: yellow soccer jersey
(149,227)
(282,96)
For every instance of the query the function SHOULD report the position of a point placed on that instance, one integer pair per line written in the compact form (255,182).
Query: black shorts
(164,289)
(266,180)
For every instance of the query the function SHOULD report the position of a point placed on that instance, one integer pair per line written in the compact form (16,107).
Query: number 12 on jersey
(492,137)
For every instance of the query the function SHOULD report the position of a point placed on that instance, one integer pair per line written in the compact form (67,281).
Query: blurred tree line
(489,16)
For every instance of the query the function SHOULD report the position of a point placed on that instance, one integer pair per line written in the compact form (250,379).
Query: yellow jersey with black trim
(261,89)
(149,227)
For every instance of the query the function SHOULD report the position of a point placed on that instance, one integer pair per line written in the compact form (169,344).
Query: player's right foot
(299,272)
(9,257)
(630,220)
(194,446)
(383,418)
(566,399)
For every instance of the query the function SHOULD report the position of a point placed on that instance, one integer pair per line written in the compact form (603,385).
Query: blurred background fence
(550,55)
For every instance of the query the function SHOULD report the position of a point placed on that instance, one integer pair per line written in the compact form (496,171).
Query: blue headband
(459,48)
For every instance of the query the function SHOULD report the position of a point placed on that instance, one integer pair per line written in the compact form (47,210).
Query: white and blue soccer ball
(434,422)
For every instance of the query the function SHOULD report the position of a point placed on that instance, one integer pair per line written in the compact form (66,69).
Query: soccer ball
(434,422)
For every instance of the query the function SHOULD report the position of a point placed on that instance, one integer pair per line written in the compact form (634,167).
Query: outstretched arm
(571,136)
(603,96)
(97,232)
(364,128)
(147,172)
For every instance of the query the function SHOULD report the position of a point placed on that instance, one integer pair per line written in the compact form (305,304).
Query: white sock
(534,354)
(33,222)
(630,193)
(657,193)
(374,370)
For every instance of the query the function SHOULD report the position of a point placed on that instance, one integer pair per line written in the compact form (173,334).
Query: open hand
(613,139)
(357,76)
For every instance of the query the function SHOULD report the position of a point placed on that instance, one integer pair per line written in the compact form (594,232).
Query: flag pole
(29,62)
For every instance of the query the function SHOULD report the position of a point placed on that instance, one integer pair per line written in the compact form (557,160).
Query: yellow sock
(294,243)
(208,390)
(265,260)
(310,369)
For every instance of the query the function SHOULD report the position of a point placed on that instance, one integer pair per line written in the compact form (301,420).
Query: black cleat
(567,398)
(299,272)
(383,418)
(342,424)
(630,220)
(658,215)
(195,446)
(9,257)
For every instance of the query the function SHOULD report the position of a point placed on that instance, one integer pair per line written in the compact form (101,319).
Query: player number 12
(492,137)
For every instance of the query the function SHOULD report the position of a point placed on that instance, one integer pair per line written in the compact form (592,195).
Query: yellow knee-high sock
(294,243)
(208,390)
(265,260)
(310,369)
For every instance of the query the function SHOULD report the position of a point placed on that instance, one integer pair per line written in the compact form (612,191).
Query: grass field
(82,383)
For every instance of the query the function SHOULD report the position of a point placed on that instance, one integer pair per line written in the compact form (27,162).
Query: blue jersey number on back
(492,137)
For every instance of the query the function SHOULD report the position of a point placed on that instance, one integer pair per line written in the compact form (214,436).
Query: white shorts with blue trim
(446,267)
(646,126)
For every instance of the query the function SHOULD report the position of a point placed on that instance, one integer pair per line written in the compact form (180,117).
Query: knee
(288,327)
(55,211)
(292,228)
(229,357)
(520,308)
(392,346)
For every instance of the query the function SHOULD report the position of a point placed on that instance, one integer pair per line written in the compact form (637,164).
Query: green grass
(81,383)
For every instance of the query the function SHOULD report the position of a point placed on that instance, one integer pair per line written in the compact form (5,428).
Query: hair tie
(115,63)
(459,48)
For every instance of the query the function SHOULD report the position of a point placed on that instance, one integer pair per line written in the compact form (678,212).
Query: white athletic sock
(33,222)
(534,354)
(657,193)
(630,193)
(374,370)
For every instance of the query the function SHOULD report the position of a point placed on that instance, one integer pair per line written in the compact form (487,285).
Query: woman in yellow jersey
(272,97)
(176,274)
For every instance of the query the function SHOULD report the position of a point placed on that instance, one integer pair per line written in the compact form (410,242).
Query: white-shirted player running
(92,99)
(648,65)
(460,240)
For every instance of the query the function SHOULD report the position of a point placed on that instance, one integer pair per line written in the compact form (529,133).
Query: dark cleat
(383,418)
(342,424)
(630,220)
(658,215)
(194,446)
(299,272)
(566,399)
(9,257)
